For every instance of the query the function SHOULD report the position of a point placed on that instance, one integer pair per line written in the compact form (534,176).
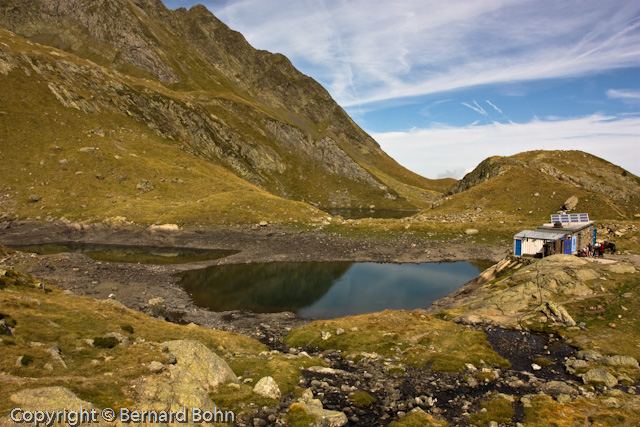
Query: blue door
(567,246)
(518,250)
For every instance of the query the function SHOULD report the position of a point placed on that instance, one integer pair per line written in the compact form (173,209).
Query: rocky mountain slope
(183,78)
(539,183)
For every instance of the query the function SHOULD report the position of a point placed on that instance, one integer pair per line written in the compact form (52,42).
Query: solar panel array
(569,218)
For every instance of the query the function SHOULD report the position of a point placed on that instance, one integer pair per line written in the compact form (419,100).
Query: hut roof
(540,235)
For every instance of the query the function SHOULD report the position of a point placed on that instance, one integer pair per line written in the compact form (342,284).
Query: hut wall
(531,246)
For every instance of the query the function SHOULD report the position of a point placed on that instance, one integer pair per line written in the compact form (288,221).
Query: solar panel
(569,218)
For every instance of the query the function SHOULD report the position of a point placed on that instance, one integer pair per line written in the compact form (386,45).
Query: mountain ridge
(181,83)
(540,181)
(252,111)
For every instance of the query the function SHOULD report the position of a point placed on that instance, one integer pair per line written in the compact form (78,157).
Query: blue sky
(444,85)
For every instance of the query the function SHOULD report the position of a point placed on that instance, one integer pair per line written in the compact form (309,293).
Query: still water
(325,290)
(131,254)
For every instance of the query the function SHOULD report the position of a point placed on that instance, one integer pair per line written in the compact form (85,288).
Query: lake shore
(134,285)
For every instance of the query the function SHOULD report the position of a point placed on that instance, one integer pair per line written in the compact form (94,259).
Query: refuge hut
(565,234)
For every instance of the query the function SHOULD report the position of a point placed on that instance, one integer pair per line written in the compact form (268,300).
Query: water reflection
(263,288)
(324,290)
(130,254)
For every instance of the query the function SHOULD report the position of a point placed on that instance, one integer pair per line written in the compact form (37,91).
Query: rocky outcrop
(172,390)
(197,371)
(487,169)
(541,287)
(201,363)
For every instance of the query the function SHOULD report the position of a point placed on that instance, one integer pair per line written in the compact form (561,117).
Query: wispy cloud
(478,109)
(624,94)
(494,107)
(434,152)
(366,52)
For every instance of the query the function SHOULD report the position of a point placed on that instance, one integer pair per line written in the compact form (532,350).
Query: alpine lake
(322,290)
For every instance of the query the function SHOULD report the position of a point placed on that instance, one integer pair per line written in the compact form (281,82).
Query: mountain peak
(194,82)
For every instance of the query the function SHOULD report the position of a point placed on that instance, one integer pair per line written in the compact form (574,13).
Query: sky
(443,85)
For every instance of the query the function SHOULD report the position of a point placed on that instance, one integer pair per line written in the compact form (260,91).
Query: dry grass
(587,412)
(409,337)
(102,376)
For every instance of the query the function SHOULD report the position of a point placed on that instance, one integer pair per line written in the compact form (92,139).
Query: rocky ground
(544,373)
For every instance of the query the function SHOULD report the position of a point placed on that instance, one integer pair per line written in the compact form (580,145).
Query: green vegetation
(284,370)
(542,361)
(419,419)
(408,337)
(127,328)
(298,417)
(362,399)
(26,360)
(498,408)
(105,342)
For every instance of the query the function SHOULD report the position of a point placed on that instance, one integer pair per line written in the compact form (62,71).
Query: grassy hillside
(191,79)
(62,162)
(536,184)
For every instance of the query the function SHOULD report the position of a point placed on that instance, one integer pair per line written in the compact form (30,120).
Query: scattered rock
(322,370)
(558,313)
(471,231)
(267,387)
(164,227)
(325,417)
(620,361)
(54,351)
(144,185)
(121,338)
(156,367)
(570,204)
(556,388)
(599,376)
